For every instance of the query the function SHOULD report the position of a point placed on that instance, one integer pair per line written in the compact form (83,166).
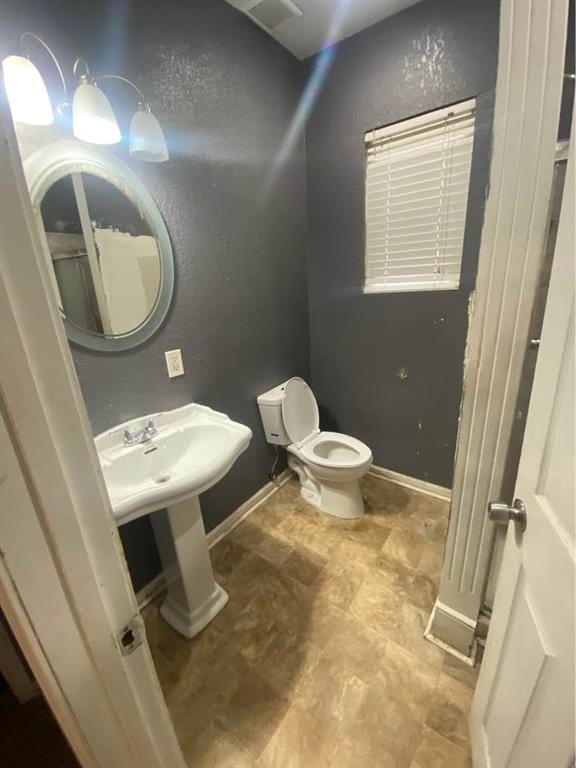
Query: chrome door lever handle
(500,513)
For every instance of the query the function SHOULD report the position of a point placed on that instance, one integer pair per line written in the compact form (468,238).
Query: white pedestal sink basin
(191,449)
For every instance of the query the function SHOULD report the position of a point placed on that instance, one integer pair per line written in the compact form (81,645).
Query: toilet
(328,464)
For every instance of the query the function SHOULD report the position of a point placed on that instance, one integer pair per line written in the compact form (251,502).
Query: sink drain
(162,479)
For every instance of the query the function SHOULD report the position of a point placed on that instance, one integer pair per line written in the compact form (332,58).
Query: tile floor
(318,660)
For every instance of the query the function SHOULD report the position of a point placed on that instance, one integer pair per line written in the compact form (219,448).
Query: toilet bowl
(328,464)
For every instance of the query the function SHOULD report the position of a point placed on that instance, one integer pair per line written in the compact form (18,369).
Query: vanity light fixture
(93,118)
(146,140)
(25,88)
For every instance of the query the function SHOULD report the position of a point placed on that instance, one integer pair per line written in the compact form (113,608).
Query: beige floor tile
(382,718)
(217,748)
(300,530)
(256,576)
(364,532)
(338,583)
(299,742)
(287,661)
(382,734)
(304,564)
(448,710)
(408,632)
(275,509)
(434,751)
(385,501)
(262,541)
(213,680)
(251,631)
(359,649)
(330,692)
(428,519)
(460,671)
(334,687)
(202,693)
(377,604)
(407,681)
(406,546)
(318,659)
(394,574)
(354,555)
(180,652)
(432,560)
(317,622)
(227,555)
(423,591)
(254,713)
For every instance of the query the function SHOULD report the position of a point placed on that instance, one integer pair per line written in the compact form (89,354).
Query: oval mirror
(108,247)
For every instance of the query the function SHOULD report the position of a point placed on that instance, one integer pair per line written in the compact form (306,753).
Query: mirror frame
(52,162)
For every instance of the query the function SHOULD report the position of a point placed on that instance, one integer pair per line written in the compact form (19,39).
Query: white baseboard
(454,632)
(158,584)
(245,509)
(413,483)
(150,591)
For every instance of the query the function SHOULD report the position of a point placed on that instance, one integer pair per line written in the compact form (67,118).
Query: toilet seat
(299,411)
(323,449)
(334,449)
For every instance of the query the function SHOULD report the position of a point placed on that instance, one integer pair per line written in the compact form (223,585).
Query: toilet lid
(299,410)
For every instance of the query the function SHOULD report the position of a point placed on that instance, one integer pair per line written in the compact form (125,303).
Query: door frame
(109,705)
(527,109)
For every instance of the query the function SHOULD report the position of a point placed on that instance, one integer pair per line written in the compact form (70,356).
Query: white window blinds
(417,178)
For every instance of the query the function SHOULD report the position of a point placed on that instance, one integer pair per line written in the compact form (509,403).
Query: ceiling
(323,21)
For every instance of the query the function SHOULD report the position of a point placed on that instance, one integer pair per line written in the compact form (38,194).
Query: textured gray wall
(225,92)
(431,55)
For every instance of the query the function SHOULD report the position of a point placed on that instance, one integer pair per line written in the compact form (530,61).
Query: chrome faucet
(138,436)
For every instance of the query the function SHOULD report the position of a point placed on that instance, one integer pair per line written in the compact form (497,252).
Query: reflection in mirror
(106,259)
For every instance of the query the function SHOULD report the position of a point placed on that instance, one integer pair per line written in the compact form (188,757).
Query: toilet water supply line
(272,473)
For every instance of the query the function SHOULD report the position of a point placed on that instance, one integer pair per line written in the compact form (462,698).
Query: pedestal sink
(173,457)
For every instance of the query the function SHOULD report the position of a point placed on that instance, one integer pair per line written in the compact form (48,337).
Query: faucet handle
(150,428)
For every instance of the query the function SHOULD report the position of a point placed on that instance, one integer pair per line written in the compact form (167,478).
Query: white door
(523,714)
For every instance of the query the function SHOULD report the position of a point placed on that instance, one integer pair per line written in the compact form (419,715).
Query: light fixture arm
(51,53)
(81,62)
(142,102)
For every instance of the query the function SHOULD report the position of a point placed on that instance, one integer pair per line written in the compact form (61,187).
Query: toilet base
(343,500)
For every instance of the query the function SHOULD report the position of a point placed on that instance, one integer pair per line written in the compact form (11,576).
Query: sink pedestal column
(193,598)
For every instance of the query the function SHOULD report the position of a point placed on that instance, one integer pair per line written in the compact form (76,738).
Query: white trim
(456,622)
(246,509)
(155,587)
(528,96)
(413,483)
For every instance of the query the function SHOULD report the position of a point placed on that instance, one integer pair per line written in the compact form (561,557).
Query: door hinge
(131,636)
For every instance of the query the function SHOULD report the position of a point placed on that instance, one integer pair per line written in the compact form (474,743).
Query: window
(417,178)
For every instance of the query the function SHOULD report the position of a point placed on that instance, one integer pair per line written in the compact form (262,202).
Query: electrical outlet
(174,363)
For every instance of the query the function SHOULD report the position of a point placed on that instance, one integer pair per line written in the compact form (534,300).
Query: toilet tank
(270,407)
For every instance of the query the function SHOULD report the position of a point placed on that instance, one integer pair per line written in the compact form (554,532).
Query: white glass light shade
(147,140)
(27,94)
(93,119)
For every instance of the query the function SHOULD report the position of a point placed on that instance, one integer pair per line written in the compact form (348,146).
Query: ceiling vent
(268,14)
